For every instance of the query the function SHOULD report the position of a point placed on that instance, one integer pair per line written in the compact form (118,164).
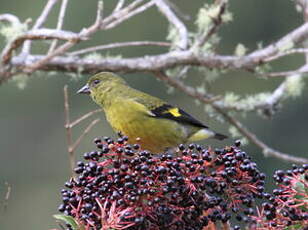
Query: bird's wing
(176,114)
(159,109)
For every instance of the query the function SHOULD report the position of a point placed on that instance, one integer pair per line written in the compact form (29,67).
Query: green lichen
(231,99)
(98,56)
(247,103)
(93,56)
(197,102)
(204,19)
(237,135)
(210,111)
(201,89)
(227,17)
(263,69)
(210,45)
(208,14)
(286,46)
(170,90)
(178,72)
(294,85)
(173,36)
(20,81)
(212,75)
(204,22)
(240,50)
(11,31)
(112,56)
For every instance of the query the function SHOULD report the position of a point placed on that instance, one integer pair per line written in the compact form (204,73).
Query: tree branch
(173,19)
(9,18)
(291,39)
(164,61)
(118,45)
(59,24)
(299,71)
(60,50)
(267,151)
(39,22)
(117,15)
(37,34)
(286,53)
(119,6)
(123,16)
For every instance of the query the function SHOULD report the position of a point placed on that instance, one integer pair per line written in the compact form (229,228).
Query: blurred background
(33,156)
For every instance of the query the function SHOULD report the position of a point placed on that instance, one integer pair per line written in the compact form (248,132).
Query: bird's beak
(84,90)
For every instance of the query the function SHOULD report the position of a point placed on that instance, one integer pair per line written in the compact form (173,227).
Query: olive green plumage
(157,124)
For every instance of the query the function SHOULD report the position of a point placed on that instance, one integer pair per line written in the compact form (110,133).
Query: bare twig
(98,21)
(178,11)
(123,17)
(39,22)
(173,19)
(89,114)
(7,195)
(69,137)
(43,17)
(59,24)
(9,18)
(286,53)
(120,13)
(305,16)
(267,151)
(300,71)
(119,5)
(72,146)
(85,132)
(118,45)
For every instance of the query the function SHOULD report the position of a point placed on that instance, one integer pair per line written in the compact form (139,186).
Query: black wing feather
(185,118)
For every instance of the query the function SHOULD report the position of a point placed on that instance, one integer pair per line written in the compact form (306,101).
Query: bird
(147,120)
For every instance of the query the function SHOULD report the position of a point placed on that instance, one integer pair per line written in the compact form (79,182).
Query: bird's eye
(96,81)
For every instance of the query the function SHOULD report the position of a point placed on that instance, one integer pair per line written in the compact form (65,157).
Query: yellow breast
(134,120)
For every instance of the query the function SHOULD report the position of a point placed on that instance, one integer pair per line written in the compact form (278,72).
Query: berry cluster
(288,206)
(122,186)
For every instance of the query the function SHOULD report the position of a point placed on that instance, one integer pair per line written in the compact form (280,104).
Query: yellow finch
(135,114)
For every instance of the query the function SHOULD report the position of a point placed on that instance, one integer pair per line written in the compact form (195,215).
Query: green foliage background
(33,156)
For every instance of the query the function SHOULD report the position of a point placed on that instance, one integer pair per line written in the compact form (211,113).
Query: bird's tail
(205,134)
(220,136)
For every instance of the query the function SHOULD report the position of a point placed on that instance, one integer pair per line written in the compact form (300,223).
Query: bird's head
(101,87)
(101,83)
